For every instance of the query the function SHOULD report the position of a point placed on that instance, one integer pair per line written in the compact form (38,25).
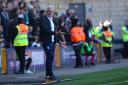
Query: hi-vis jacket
(77,34)
(22,36)
(124,34)
(107,39)
(87,48)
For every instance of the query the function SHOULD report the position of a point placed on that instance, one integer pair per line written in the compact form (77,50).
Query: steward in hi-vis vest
(20,41)
(107,43)
(107,39)
(77,37)
(22,36)
(125,39)
(77,34)
(87,50)
(125,33)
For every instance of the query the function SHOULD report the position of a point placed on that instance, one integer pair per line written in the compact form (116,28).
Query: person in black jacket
(5,22)
(47,37)
(88,29)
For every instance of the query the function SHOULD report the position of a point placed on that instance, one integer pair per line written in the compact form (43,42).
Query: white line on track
(115,83)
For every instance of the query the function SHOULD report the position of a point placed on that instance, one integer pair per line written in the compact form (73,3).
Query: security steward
(77,37)
(107,36)
(125,39)
(20,41)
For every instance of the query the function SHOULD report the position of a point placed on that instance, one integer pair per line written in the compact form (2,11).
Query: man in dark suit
(5,22)
(47,37)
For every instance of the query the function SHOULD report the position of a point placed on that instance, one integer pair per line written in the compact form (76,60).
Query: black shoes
(108,62)
(93,64)
(52,78)
(78,66)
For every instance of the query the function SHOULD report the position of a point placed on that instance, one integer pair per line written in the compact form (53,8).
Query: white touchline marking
(26,77)
(115,83)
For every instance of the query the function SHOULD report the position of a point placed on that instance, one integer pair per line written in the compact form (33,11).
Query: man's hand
(64,44)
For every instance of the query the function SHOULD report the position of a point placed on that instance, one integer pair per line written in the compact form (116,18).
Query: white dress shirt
(52,26)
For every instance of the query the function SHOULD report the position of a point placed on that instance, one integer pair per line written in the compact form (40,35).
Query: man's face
(21,10)
(50,11)
(4,8)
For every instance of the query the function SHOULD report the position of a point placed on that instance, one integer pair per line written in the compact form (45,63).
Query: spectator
(89,30)
(5,22)
(33,17)
(61,28)
(70,14)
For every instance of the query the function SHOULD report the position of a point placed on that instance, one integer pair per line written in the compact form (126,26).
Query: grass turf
(111,77)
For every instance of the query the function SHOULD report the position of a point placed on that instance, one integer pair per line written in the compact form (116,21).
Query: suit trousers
(49,51)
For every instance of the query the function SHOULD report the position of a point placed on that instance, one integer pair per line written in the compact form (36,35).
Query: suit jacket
(5,21)
(45,29)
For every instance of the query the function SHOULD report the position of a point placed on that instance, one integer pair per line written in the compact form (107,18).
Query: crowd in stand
(11,9)
(9,12)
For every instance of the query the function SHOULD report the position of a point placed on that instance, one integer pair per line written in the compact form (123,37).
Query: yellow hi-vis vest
(22,36)
(108,36)
(124,34)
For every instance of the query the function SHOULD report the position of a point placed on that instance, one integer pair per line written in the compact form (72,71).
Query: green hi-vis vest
(89,48)
(98,33)
(124,34)
(106,44)
(22,37)
(93,31)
